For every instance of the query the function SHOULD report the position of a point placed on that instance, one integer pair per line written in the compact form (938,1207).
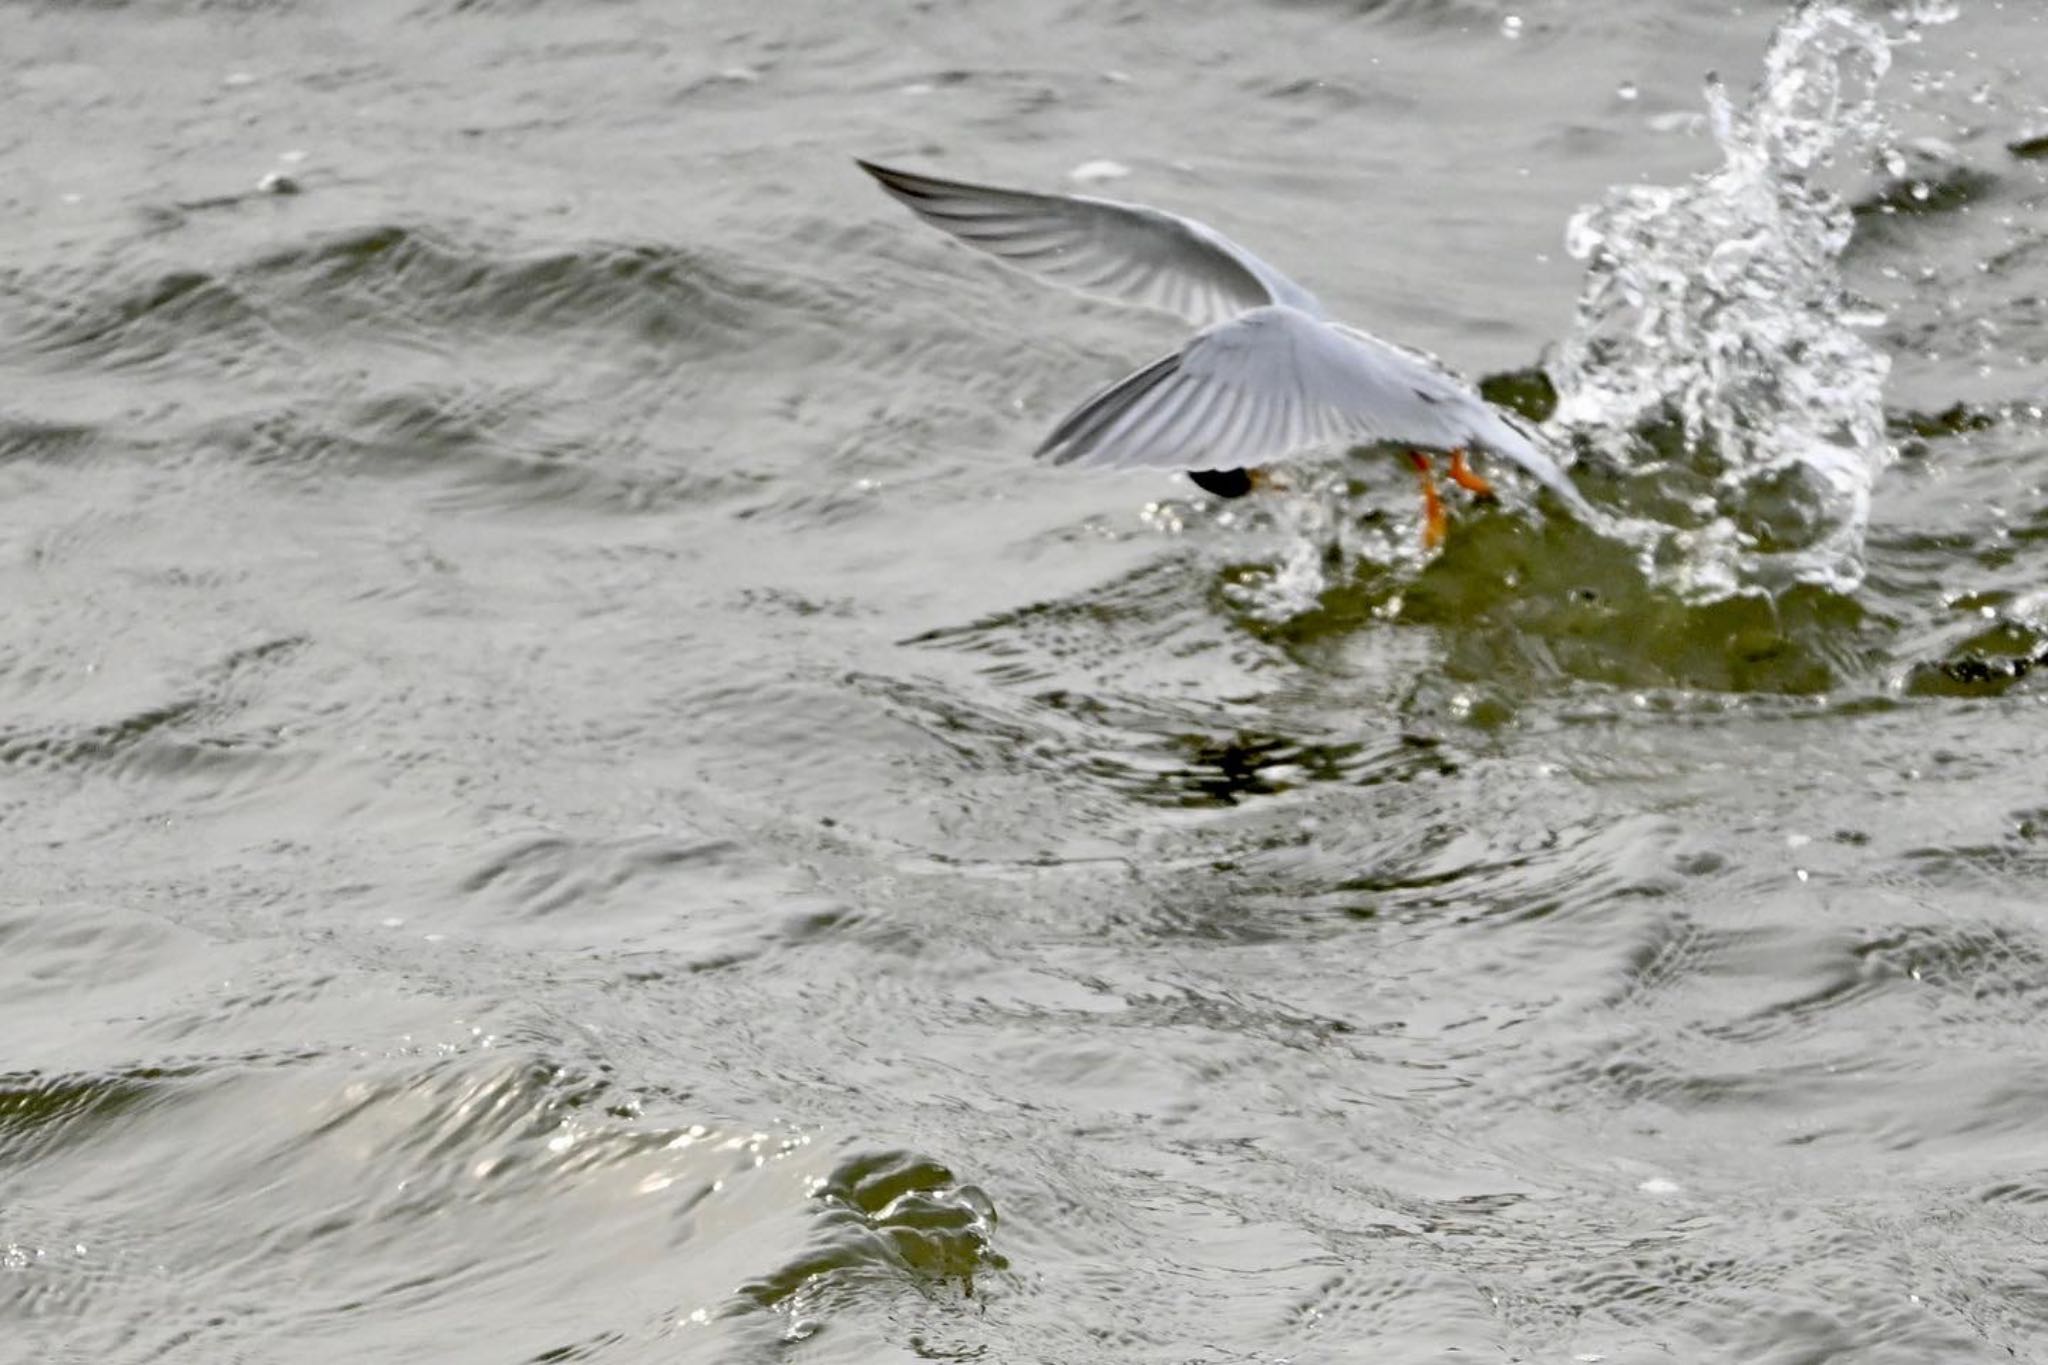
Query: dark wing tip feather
(910,185)
(901,184)
(1075,436)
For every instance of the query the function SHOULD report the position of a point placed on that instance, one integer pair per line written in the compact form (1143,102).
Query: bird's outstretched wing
(1122,251)
(1276,382)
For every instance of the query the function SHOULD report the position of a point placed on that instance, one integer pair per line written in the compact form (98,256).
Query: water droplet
(1091,172)
(1926,12)
(1627,90)
(1511,26)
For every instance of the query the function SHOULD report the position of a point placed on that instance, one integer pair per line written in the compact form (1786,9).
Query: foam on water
(1717,364)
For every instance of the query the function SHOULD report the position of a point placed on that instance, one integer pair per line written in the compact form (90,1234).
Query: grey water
(569,793)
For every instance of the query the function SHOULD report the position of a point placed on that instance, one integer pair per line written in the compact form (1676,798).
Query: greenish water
(571,794)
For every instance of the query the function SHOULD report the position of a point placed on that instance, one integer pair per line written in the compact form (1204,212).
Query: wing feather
(1276,382)
(1125,252)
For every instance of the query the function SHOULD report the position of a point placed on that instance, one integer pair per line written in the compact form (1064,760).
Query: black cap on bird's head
(1224,483)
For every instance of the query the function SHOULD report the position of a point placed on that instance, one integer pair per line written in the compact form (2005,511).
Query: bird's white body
(1269,376)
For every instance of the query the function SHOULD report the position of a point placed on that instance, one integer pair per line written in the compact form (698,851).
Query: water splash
(1717,373)
(1717,362)
(1319,535)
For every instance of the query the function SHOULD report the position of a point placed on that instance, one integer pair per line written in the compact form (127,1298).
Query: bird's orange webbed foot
(1433,522)
(1467,478)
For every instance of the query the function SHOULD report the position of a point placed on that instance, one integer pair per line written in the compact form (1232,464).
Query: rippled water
(571,794)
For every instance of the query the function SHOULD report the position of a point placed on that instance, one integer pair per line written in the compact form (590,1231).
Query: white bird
(1269,376)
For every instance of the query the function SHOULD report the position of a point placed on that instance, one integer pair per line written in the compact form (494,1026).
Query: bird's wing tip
(895,181)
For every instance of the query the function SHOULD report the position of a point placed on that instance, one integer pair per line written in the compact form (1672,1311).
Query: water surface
(570,794)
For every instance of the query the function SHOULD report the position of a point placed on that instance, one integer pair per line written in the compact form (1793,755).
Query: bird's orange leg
(1464,476)
(1432,505)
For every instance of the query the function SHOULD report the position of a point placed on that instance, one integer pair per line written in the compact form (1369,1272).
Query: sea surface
(569,792)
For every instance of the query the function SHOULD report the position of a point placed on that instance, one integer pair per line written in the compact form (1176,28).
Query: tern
(1269,376)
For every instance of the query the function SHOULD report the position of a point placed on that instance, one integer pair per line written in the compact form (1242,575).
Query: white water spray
(1713,315)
